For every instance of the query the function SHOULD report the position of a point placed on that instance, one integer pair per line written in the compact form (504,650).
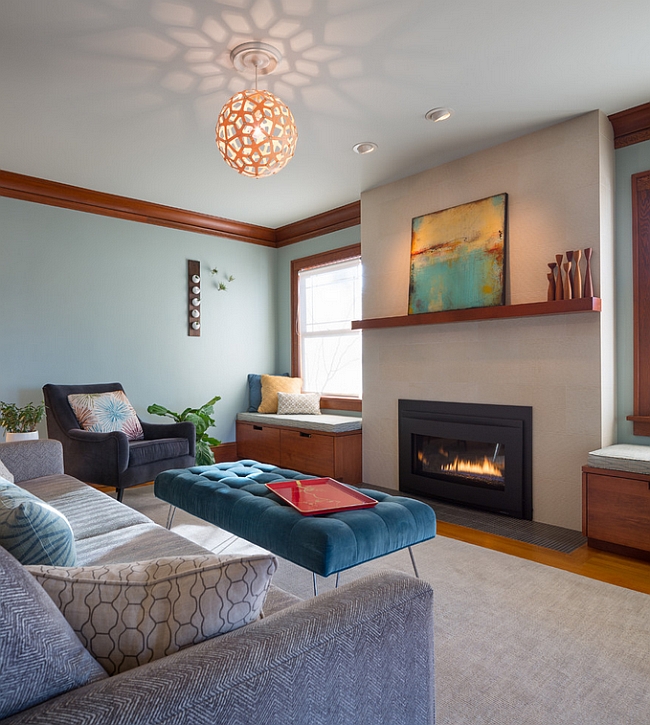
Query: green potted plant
(202,419)
(20,422)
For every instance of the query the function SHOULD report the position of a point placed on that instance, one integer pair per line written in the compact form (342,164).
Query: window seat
(322,423)
(320,445)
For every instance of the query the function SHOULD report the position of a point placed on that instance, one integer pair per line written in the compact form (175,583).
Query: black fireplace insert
(468,453)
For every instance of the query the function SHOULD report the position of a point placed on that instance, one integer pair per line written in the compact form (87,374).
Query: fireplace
(467,453)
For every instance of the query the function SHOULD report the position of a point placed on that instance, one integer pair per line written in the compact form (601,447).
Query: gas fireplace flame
(482,468)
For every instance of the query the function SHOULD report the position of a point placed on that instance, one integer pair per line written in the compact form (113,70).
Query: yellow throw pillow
(274,384)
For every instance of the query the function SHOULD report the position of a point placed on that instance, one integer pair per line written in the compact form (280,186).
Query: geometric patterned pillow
(33,531)
(301,404)
(106,412)
(274,384)
(129,614)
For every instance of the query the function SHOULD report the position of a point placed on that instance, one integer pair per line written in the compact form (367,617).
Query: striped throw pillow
(33,531)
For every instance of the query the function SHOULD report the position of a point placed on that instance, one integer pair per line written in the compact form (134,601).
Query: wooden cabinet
(337,455)
(616,511)
(260,442)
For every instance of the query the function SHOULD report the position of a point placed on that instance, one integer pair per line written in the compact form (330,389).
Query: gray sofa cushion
(89,511)
(134,543)
(41,655)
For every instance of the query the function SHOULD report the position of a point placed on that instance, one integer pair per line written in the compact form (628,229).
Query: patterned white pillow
(129,614)
(106,412)
(301,404)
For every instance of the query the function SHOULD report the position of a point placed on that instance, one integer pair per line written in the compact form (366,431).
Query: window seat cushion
(323,423)
(622,457)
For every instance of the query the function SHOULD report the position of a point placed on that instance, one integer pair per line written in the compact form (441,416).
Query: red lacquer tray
(320,496)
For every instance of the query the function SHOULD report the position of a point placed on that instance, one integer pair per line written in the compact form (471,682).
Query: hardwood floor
(593,563)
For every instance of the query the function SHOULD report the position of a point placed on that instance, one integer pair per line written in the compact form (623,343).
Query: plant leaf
(204,455)
(202,420)
(156,409)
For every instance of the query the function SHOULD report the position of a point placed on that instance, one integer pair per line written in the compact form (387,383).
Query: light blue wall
(86,298)
(630,160)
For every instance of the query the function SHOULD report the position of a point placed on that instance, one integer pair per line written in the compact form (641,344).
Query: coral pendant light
(256,132)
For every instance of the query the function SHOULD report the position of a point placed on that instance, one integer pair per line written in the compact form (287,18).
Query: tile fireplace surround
(560,186)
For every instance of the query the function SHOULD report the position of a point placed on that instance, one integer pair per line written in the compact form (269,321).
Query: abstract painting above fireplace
(467,453)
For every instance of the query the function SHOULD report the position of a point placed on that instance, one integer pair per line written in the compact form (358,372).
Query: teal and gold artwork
(458,257)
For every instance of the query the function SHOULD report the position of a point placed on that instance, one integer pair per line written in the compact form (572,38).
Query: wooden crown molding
(330,221)
(631,126)
(54,193)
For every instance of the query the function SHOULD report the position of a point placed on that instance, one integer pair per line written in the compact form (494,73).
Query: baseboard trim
(225,452)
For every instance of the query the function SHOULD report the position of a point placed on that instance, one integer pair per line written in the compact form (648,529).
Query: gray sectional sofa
(360,654)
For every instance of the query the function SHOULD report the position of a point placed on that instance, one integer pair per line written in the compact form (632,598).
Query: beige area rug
(517,643)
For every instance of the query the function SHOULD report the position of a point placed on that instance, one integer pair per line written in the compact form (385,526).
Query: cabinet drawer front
(258,442)
(619,511)
(307,452)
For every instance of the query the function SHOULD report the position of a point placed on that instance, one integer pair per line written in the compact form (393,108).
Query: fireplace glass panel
(466,462)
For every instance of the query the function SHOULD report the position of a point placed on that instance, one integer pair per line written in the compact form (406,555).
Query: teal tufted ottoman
(233,497)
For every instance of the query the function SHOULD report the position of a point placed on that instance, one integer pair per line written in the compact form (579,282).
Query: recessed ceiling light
(438,114)
(365,147)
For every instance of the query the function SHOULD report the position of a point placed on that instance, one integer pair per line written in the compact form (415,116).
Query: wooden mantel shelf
(531,309)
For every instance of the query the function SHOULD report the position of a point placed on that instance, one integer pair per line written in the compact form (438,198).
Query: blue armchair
(111,459)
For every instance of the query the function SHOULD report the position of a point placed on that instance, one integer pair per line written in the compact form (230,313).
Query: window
(326,351)
(641,267)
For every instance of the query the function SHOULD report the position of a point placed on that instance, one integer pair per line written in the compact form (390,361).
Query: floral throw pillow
(106,412)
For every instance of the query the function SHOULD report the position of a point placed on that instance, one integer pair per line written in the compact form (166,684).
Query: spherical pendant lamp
(256,133)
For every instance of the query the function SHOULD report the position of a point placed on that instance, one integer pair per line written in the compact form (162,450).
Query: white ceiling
(122,96)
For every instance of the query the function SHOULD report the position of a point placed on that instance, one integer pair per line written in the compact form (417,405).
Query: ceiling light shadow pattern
(192,41)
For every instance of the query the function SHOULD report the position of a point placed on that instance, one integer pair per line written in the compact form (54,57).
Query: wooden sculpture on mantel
(589,285)
(577,275)
(551,281)
(568,277)
(559,287)
(565,280)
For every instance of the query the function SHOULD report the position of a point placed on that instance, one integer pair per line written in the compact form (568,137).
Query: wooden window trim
(641,276)
(298,265)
